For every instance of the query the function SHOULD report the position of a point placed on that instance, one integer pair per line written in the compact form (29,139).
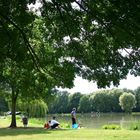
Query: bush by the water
(111,126)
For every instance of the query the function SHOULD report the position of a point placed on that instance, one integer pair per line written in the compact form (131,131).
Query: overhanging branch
(30,49)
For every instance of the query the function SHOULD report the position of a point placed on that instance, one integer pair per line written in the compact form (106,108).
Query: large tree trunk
(13,109)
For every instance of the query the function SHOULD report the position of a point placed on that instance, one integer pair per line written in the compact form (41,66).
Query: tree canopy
(97,40)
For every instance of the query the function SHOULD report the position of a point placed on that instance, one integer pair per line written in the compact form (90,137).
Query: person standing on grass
(73,116)
(25,121)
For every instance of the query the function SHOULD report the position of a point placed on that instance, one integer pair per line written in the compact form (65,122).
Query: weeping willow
(35,108)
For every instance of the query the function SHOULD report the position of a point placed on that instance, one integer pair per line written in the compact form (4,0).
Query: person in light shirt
(54,123)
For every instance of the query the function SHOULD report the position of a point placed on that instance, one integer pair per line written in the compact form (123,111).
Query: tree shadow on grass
(26,131)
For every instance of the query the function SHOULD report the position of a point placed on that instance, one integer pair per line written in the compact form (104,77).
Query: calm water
(97,120)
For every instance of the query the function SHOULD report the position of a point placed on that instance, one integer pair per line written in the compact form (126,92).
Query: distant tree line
(114,100)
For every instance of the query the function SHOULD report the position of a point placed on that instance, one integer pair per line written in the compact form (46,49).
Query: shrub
(111,126)
(65,125)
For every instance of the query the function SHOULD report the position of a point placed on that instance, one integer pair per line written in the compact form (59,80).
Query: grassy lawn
(81,134)
(36,132)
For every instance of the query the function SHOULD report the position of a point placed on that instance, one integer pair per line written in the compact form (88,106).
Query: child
(25,121)
(47,125)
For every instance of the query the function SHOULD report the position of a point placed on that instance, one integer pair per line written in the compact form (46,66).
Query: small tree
(74,100)
(3,105)
(85,104)
(100,101)
(114,94)
(137,95)
(60,103)
(127,102)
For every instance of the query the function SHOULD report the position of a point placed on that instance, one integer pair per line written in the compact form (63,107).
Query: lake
(97,120)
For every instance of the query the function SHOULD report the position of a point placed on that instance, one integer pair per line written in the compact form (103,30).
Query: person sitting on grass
(54,123)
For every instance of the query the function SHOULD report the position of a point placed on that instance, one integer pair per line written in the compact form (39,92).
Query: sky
(85,87)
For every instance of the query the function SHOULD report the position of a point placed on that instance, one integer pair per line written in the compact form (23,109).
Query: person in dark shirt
(73,116)
(25,121)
